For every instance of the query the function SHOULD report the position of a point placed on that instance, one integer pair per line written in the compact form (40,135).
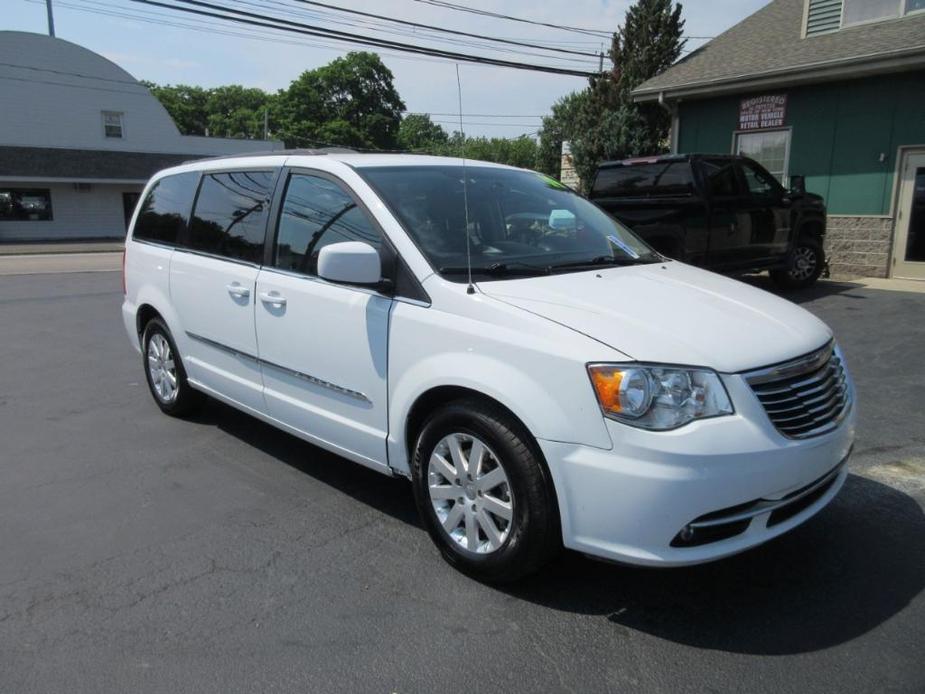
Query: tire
(807,262)
(518,546)
(173,395)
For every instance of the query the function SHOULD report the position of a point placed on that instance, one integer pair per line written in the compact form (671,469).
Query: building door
(909,242)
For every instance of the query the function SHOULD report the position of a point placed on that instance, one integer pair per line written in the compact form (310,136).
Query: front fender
(542,380)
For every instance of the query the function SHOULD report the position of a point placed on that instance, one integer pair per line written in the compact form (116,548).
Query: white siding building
(79,137)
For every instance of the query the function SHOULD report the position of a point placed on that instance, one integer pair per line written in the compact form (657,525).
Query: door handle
(238,290)
(272,298)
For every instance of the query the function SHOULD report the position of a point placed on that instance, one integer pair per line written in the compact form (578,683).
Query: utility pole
(266,122)
(51,19)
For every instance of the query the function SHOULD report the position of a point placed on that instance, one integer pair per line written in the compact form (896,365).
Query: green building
(833,90)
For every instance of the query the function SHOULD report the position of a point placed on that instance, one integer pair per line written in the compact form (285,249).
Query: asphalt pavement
(140,553)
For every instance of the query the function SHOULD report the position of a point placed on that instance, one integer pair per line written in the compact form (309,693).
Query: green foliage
(350,102)
(557,128)
(519,151)
(418,132)
(185,104)
(602,122)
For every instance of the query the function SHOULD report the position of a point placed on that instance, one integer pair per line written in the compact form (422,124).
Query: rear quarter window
(165,211)
(658,179)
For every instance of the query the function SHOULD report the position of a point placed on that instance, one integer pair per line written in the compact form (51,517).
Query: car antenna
(471,288)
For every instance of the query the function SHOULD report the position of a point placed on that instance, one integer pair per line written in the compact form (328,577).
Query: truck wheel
(806,264)
(483,493)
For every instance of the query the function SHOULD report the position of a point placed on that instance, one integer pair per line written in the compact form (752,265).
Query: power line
(253,19)
(564,27)
(164,20)
(408,33)
(497,15)
(512,42)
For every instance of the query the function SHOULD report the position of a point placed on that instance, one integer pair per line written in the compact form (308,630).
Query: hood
(670,313)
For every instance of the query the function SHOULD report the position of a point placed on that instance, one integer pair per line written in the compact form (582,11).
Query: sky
(175,48)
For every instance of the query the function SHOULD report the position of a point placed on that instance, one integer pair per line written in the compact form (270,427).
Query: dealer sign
(761,112)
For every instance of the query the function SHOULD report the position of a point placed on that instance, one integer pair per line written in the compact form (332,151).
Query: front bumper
(631,503)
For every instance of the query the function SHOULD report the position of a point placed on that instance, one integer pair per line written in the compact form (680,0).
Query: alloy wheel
(804,263)
(162,369)
(470,493)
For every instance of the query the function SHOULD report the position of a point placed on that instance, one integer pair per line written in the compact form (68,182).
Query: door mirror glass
(798,185)
(351,262)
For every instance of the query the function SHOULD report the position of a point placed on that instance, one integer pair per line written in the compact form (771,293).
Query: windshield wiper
(498,269)
(602,260)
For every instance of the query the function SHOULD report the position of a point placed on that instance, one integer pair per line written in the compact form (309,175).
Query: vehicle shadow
(819,290)
(843,573)
(391,496)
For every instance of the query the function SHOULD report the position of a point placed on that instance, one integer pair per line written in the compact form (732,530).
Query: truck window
(721,179)
(656,179)
(759,183)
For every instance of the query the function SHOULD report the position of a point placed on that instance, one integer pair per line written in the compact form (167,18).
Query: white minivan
(541,375)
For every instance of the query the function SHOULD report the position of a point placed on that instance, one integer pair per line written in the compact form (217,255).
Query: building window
(25,205)
(112,124)
(770,148)
(861,11)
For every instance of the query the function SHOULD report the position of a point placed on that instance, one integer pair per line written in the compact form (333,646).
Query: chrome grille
(804,397)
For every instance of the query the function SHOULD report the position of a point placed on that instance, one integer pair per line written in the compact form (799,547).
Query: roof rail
(278,152)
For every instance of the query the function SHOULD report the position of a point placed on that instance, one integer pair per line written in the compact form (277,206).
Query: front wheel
(806,264)
(483,492)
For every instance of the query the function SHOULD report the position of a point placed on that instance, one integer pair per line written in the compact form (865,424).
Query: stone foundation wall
(858,246)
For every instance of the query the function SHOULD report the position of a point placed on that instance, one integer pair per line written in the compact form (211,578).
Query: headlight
(658,397)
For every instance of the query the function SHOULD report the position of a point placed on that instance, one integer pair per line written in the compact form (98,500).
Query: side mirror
(798,185)
(350,262)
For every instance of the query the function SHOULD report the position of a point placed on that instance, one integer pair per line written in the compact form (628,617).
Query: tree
(558,127)
(185,104)
(236,111)
(418,132)
(351,101)
(602,122)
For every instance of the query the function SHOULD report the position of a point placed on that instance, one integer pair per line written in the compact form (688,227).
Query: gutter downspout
(672,108)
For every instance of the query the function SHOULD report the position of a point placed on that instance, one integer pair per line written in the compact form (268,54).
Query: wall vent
(823,16)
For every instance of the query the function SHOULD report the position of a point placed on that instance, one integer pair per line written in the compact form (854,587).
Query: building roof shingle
(769,42)
(84,164)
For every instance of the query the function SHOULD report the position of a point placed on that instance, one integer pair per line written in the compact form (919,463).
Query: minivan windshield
(520,223)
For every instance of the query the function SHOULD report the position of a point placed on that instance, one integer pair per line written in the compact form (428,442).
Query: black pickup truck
(721,212)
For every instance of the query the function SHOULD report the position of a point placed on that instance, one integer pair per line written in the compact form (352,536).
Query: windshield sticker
(551,182)
(621,244)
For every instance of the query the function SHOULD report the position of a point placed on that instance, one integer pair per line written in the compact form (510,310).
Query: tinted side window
(721,177)
(165,211)
(760,183)
(666,178)
(231,214)
(317,212)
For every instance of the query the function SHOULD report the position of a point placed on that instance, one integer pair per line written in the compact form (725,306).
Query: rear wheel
(483,492)
(806,264)
(164,371)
